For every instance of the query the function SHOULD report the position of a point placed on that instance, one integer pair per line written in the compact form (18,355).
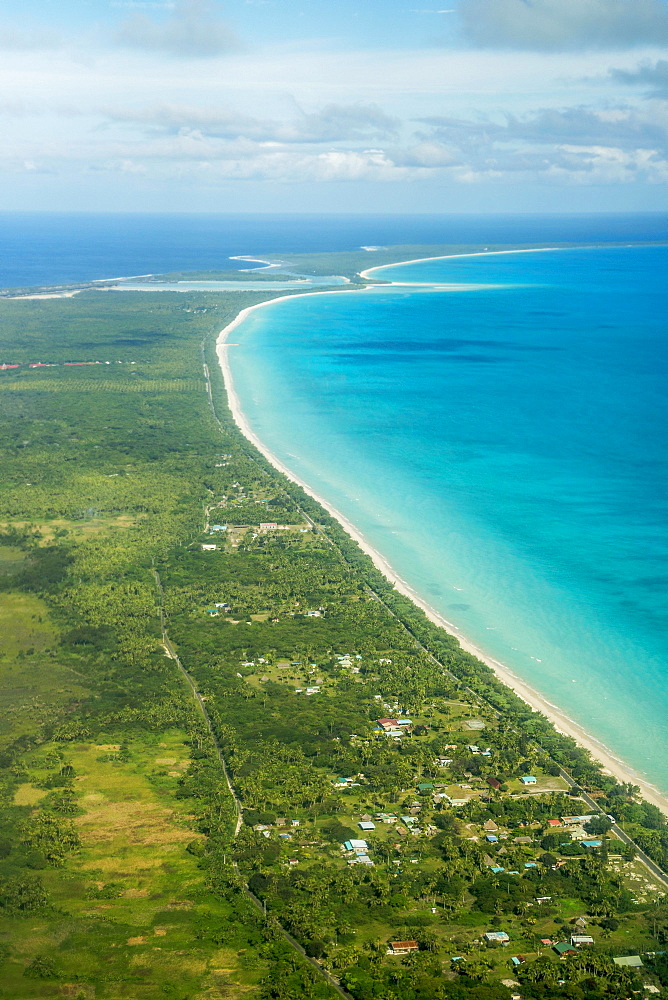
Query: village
(378,794)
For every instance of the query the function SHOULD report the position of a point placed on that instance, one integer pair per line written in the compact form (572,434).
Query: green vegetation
(122,871)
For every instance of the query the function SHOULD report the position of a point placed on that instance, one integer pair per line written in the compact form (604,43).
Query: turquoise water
(505,448)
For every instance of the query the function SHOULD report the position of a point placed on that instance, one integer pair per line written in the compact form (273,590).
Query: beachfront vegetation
(125,869)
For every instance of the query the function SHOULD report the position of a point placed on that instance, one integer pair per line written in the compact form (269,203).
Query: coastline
(455,256)
(537,702)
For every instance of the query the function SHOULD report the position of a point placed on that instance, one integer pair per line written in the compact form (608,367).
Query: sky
(334,105)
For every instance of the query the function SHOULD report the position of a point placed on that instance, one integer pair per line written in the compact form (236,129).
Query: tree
(23,894)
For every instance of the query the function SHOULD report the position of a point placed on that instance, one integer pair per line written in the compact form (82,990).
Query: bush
(41,967)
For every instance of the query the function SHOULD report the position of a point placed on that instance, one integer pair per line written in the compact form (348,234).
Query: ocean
(498,432)
(48,248)
(502,441)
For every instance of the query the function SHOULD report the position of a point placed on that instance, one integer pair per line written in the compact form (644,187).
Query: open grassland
(36,686)
(130,914)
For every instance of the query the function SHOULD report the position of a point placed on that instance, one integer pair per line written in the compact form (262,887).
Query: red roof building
(403,947)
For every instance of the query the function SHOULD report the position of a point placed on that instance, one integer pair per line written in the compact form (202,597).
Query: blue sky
(381,105)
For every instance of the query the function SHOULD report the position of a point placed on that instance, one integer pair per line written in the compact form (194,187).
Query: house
(404,722)
(497,937)
(531,864)
(563,949)
(518,960)
(388,724)
(497,869)
(630,961)
(528,779)
(490,826)
(209,548)
(425,787)
(218,527)
(366,826)
(343,782)
(402,947)
(213,612)
(266,525)
(554,823)
(353,845)
(491,838)
(579,939)
(494,783)
(576,820)
(542,899)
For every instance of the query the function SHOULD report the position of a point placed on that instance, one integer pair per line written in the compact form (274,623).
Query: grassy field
(131,915)
(36,687)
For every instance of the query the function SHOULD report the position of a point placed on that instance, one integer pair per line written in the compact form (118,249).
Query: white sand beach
(44,295)
(612,764)
(368,273)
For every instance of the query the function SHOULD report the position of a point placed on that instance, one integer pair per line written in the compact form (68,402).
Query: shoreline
(612,764)
(455,256)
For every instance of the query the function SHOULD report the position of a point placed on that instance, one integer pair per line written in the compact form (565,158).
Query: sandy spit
(611,763)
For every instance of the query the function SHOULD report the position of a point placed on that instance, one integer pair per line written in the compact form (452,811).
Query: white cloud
(332,123)
(555,25)
(193,31)
(428,154)
(623,127)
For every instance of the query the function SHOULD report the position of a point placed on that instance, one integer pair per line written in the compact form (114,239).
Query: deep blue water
(506,447)
(39,248)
